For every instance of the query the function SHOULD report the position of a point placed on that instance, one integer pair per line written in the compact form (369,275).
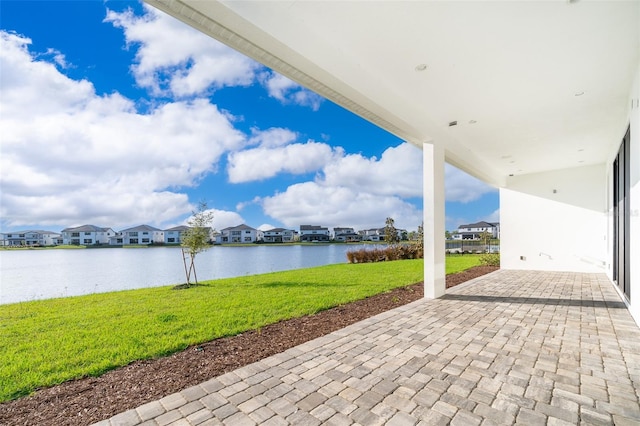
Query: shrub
(393,252)
(490,259)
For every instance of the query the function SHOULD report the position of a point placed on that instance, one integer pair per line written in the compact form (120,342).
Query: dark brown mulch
(88,400)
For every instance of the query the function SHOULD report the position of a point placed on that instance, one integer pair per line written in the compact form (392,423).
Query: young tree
(196,240)
(390,231)
(485,237)
(421,237)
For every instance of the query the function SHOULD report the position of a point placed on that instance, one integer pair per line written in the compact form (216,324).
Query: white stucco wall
(634,121)
(563,230)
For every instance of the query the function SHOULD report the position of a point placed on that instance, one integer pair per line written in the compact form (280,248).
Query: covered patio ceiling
(531,86)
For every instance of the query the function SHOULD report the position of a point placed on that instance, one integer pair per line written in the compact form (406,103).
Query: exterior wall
(319,234)
(173,237)
(29,238)
(87,238)
(242,236)
(283,236)
(563,230)
(635,201)
(143,237)
(634,194)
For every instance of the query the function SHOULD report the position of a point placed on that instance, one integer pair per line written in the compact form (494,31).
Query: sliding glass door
(622,217)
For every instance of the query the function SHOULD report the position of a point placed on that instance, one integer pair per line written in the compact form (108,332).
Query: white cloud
(70,156)
(196,64)
(312,203)
(222,219)
(289,92)
(273,137)
(398,172)
(173,58)
(462,187)
(58,58)
(262,163)
(354,190)
(265,227)
(493,217)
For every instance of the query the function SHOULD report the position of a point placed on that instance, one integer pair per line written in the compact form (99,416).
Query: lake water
(42,274)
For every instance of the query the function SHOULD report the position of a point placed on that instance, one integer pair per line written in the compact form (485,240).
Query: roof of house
(279,230)
(86,228)
(481,224)
(31,232)
(242,227)
(178,228)
(142,228)
(313,228)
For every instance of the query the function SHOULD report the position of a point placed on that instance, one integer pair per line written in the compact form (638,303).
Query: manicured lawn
(459,262)
(51,341)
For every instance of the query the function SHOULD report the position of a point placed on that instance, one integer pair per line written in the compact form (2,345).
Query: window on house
(133,234)
(145,240)
(133,241)
(171,240)
(145,233)
(87,233)
(118,240)
(87,241)
(247,239)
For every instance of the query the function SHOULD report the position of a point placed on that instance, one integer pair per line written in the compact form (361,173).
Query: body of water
(43,274)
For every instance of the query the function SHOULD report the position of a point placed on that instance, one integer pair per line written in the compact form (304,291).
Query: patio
(525,347)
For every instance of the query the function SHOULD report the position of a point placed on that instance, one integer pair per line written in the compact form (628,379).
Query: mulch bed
(89,400)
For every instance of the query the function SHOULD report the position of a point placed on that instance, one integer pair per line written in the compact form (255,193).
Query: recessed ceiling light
(472,121)
(579,94)
(421,67)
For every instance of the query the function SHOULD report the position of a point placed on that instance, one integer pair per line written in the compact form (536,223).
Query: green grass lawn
(459,262)
(51,341)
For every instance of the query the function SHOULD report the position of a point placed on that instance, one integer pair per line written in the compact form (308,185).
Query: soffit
(533,86)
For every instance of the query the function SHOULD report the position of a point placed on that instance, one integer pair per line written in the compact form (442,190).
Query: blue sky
(115,114)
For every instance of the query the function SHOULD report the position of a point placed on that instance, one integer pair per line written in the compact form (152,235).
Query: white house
(474,230)
(540,99)
(174,235)
(346,235)
(87,235)
(30,238)
(239,234)
(142,234)
(310,233)
(278,235)
(377,234)
(373,234)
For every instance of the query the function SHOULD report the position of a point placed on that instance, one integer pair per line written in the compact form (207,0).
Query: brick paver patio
(513,347)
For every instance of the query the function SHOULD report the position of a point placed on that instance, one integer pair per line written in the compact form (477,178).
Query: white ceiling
(533,85)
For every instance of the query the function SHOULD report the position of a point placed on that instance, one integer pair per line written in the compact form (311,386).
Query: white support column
(434,220)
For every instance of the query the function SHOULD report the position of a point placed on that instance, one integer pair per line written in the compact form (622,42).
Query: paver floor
(512,347)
